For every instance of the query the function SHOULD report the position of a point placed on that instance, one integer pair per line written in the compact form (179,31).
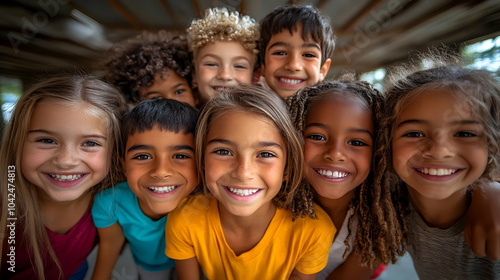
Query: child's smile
(439,147)
(244,162)
(337,145)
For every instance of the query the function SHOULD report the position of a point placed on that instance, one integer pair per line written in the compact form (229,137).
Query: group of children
(290,178)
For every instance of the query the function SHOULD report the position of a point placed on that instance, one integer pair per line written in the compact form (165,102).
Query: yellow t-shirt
(194,230)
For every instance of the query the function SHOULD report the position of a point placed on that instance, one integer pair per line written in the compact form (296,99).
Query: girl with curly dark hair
(339,121)
(152,65)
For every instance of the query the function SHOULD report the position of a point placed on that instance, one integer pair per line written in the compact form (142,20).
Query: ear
(323,71)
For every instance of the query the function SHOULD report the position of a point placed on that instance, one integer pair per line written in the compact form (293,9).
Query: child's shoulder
(321,222)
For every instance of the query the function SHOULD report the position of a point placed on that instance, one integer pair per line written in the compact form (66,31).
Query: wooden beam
(322,4)
(170,12)
(197,8)
(115,4)
(368,8)
(243,7)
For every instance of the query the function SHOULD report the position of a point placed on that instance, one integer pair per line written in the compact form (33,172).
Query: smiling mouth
(436,172)
(290,81)
(64,178)
(332,174)
(165,189)
(242,192)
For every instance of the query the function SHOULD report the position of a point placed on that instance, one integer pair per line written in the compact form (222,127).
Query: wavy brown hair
(134,62)
(256,100)
(477,87)
(379,233)
(100,99)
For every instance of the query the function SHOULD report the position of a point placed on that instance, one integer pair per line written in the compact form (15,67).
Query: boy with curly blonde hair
(224,47)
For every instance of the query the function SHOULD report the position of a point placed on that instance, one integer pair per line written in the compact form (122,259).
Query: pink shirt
(71,250)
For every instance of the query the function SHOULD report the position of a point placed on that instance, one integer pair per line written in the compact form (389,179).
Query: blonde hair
(221,25)
(256,100)
(100,99)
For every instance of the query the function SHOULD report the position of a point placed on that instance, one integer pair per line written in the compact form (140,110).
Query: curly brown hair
(478,87)
(133,63)
(379,233)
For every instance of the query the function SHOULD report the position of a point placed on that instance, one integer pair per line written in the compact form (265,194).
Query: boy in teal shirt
(158,161)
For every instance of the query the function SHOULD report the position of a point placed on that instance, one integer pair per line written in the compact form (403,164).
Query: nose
(438,147)
(66,157)
(161,169)
(294,63)
(225,73)
(335,151)
(244,169)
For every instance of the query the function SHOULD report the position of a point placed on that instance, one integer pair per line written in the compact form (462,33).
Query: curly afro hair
(134,62)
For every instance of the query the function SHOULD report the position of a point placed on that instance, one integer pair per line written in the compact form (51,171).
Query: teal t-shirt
(146,237)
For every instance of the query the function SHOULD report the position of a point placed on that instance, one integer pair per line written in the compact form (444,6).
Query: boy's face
(222,64)
(290,63)
(171,86)
(160,169)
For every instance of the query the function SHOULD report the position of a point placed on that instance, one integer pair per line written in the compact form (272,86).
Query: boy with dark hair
(158,161)
(296,47)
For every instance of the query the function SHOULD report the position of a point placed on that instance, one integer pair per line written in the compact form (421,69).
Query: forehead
(157,137)
(339,109)
(292,34)
(438,103)
(224,50)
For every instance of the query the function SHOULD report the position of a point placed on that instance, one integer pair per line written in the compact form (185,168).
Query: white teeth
(290,81)
(437,172)
(332,175)
(243,192)
(66,177)
(162,189)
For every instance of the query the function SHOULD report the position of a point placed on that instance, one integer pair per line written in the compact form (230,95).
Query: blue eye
(180,91)
(279,53)
(310,55)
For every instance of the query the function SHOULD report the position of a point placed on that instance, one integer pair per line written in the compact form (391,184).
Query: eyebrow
(305,45)
(149,147)
(416,121)
(52,133)
(259,144)
(355,130)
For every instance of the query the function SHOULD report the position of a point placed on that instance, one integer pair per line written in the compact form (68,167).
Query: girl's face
(439,147)
(66,150)
(222,64)
(171,86)
(338,143)
(245,158)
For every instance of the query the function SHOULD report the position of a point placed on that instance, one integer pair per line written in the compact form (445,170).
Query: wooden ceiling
(50,36)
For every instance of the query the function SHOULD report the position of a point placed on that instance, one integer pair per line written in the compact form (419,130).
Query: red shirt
(71,250)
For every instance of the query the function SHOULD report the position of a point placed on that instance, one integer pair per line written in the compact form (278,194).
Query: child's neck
(243,233)
(336,208)
(440,213)
(60,217)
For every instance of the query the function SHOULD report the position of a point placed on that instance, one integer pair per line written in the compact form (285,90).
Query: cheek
(244,77)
